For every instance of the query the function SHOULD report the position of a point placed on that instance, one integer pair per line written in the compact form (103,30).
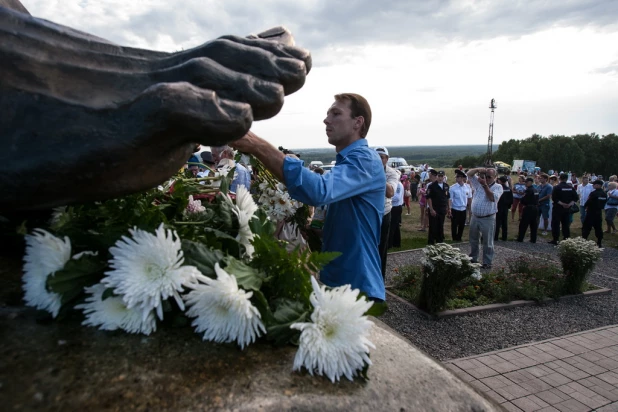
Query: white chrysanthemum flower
(147,270)
(194,206)
(336,342)
(244,209)
(112,313)
(223,311)
(45,255)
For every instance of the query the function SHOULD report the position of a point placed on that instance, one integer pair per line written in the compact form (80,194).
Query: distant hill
(437,156)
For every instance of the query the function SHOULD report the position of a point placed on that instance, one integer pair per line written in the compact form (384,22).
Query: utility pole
(490,139)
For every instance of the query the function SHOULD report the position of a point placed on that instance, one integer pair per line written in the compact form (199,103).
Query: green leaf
(377,309)
(286,313)
(225,184)
(247,277)
(70,281)
(200,256)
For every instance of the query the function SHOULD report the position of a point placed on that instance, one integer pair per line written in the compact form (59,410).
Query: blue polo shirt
(354,191)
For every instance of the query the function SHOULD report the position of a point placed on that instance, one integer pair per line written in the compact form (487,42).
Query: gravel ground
(468,335)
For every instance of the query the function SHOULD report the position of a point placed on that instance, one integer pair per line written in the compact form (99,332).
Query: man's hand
(269,155)
(433,212)
(247,143)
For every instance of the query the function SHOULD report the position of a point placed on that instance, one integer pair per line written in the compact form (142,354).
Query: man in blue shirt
(354,191)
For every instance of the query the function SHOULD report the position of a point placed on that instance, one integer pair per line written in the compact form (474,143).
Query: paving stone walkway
(571,373)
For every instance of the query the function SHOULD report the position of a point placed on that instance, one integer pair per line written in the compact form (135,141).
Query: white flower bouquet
(201,254)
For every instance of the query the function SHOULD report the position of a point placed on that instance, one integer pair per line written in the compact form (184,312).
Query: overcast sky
(428,68)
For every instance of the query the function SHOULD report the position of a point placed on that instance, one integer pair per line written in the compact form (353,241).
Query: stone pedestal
(63,366)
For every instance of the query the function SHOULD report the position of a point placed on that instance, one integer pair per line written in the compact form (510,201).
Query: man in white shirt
(461,195)
(392,178)
(484,208)
(396,212)
(223,156)
(584,191)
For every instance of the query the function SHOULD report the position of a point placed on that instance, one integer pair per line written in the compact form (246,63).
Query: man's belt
(481,217)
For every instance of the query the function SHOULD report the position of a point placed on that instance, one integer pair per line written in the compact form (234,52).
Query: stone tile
(536,385)
(555,379)
(550,397)
(495,396)
(483,372)
(562,364)
(540,402)
(519,376)
(609,408)
(505,367)
(544,357)
(510,407)
(497,381)
(468,364)
(595,381)
(572,374)
(549,409)
(480,386)
(513,392)
(529,350)
(610,351)
(510,355)
(490,359)
(526,404)
(595,402)
(547,347)
(584,395)
(525,362)
(609,377)
(572,405)
(611,395)
(539,370)
(607,363)
(576,349)
(592,356)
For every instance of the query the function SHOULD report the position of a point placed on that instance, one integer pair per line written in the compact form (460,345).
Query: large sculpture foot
(84,119)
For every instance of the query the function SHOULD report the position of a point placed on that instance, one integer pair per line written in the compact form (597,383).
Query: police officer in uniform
(594,212)
(563,197)
(529,217)
(437,201)
(504,204)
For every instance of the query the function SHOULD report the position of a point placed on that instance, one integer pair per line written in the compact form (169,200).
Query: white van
(315,164)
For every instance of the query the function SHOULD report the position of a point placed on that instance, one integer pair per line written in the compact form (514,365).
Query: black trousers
(394,235)
(458,222)
(530,218)
(436,227)
(383,248)
(560,216)
(502,222)
(593,219)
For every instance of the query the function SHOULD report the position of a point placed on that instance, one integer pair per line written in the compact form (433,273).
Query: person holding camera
(484,208)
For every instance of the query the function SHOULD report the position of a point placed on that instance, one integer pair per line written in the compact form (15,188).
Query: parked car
(503,168)
(399,163)
(327,168)
(314,164)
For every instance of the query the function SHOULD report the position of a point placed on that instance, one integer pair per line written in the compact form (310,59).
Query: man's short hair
(545,176)
(564,176)
(358,107)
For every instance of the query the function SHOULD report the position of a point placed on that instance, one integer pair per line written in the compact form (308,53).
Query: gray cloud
(321,25)
(611,69)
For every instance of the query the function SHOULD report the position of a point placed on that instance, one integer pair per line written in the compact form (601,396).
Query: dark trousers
(394,235)
(502,222)
(458,222)
(383,248)
(560,216)
(593,219)
(529,217)
(436,228)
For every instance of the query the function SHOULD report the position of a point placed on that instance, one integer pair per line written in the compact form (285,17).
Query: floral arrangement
(443,267)
(193,251)
(578,257)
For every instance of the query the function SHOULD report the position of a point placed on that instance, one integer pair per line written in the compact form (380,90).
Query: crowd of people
(361,201)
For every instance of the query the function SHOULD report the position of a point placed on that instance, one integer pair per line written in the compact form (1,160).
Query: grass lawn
(411,238)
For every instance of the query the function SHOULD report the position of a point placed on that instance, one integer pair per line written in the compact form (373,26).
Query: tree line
(582,153)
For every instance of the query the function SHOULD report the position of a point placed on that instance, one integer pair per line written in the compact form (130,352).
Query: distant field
(436,156)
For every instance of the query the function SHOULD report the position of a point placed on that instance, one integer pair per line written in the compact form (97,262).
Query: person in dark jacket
(530,214)
(504,204)
(563,196)
(594,212)
(437,200)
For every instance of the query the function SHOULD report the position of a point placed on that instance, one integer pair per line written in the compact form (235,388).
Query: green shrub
(578,257)
(443,267)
